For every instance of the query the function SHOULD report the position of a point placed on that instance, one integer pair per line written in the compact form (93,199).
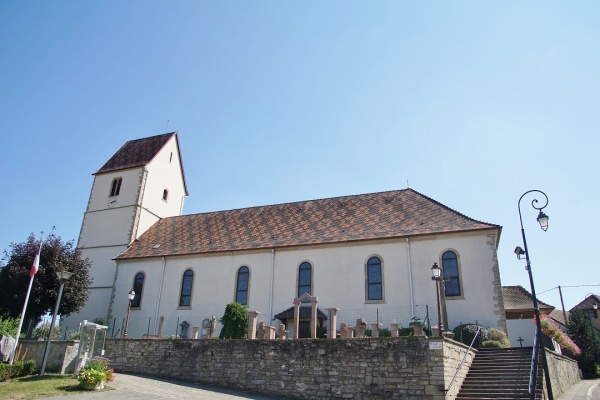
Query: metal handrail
(463,360)
(533,368)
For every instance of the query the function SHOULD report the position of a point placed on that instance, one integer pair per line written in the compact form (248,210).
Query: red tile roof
(373,216)
(588,303)
(516,298)
(136,153)
(559,317)
(139,152)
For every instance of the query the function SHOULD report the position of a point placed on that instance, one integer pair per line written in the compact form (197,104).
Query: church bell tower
(141,183)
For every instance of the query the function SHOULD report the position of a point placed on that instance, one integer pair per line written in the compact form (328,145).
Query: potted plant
(95,374)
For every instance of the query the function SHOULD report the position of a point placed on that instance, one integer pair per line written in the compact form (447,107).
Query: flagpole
(12,354)
(32,272)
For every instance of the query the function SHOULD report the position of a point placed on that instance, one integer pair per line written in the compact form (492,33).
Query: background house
(590,306)
(369,255)
(518,304)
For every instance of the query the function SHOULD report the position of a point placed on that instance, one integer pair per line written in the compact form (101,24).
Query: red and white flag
(36,262)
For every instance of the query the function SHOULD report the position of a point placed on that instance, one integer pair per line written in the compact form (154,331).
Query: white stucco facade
(338,280)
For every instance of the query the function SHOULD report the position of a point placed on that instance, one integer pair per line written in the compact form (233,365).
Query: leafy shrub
(465,333)
(552,330)
(405,331)
(41,331)
(235,322)
(18,368)
(9,326)
(322,332)
(384,332)
(74,335)
(491,344)
(499,336)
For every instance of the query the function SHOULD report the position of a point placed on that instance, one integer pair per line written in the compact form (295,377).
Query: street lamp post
(130,296)
(436,271)
(63,276)
(543,221)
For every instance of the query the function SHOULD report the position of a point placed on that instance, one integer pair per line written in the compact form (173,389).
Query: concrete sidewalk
(133,387)
(588,389)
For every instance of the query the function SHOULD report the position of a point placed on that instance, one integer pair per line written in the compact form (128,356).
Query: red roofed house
(590,306)
(518,305)
(369,252)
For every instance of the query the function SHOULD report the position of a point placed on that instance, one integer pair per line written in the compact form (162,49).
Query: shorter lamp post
(63,276)
(436,271)
(130,296)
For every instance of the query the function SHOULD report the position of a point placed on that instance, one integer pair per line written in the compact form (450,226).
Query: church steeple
(141,183)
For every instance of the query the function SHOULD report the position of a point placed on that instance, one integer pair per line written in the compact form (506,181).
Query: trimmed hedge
(19,368)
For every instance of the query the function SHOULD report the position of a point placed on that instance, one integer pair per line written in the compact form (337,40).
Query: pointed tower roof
(139,152)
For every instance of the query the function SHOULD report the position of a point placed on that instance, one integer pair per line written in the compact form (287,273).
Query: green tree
(235,322)
(588,339)
(8,326)
(55,256)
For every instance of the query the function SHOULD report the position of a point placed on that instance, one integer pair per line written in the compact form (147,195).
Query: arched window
(138,288)
(187,283)
(374,279)
(241,288)
(451,276)
(165,195)
(115,188)
(305,279)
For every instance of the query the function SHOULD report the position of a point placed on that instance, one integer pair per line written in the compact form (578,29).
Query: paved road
(132,387)
(583,390)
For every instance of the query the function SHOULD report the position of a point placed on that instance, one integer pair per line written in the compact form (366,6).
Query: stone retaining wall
(382,368)
(61,358)
(564,372)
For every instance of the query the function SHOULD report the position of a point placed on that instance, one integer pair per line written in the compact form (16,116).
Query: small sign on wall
(436,345)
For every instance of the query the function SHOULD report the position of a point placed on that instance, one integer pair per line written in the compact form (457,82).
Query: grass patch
(36,387)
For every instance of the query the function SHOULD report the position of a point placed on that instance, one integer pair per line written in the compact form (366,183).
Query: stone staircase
(500,374)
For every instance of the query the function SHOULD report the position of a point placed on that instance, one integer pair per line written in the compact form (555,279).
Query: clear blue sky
(472,103)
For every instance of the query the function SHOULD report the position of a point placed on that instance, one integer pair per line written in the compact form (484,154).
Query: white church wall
(521,328)
(128,194)
(338,279)
(164,172)
(111,227)
(102,273)
(103,266)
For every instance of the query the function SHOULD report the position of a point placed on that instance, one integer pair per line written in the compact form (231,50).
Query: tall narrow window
(115,188)
(374,279)
(304,279)
(138,288)
(451,276)
(241,289)
(187,283)
(165,195)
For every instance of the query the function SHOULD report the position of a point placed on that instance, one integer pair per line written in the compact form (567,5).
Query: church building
(369,255)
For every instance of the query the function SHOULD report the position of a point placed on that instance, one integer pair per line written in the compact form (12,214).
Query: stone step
(499,374)
(483,394)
